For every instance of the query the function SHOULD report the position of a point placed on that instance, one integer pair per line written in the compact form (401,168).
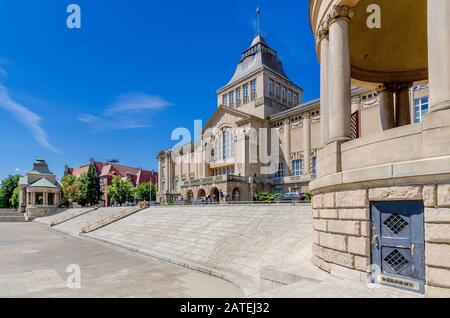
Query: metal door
(398,244)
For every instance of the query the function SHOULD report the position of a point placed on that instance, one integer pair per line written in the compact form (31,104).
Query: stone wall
(437,239)
(342,231)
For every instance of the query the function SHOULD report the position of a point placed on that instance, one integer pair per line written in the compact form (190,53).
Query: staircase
(7,216)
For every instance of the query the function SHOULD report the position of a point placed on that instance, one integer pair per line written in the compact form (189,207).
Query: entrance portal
(215,195)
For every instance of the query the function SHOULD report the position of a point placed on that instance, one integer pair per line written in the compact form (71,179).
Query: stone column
(159,174)
(287,145)
(340,81)
(438,54)
(324,85)
(188,162)
(387,107)
(197,162)
(168,164)
(307,144)
(33,198)
(45,199)
(403,105)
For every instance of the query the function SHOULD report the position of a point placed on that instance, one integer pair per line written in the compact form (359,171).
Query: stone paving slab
(34,260)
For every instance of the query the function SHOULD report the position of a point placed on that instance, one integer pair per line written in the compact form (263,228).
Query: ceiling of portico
(395,52)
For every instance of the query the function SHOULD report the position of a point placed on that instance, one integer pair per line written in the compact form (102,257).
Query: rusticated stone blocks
(352,199)
(396,193)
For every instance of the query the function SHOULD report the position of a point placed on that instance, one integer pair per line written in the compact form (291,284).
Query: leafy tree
(266,197)
(7,189)
(14,200)
(145,191)
(90,192)
(120,191)
(70,190)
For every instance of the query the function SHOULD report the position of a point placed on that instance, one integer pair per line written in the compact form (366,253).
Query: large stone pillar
(387,107)
(168,164)
(403,105)
(287,145)
(340,81)
(159,174)
(324,85)
(307,144)
(438,54)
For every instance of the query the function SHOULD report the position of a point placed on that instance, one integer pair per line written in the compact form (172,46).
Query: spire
(258,21)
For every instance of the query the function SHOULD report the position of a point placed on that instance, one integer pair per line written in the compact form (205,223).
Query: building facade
(40,191)
(381,200)
(260,101)
(106,172)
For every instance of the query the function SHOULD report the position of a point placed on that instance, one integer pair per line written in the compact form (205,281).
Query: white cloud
(26,117)
(99,124)
(137,102)
(127,112)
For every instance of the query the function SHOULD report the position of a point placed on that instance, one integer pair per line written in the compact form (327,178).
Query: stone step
(9,212)
(12,218)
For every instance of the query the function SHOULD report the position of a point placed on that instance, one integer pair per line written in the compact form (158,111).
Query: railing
(226,203)
(68,217)
(90,227)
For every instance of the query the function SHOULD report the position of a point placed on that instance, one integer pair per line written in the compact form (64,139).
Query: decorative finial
(258,13)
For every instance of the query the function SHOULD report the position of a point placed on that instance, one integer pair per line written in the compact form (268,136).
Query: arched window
(224,146)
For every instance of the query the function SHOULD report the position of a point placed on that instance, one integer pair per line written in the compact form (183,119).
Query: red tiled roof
(138,175)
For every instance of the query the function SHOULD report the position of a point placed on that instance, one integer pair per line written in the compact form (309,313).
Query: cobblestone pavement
(34,260)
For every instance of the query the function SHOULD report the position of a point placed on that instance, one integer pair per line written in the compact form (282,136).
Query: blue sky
(135,71)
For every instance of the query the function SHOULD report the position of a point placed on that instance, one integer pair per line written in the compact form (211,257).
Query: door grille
(395,223)
(396,261)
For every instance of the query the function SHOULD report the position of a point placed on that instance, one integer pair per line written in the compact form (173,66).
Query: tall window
(314,165)
(238,96)
(289,97)
(421,107)
(297,167)
(283,92)
(295,99)
(277,90)
(245,93)
(253,83)
(231,99)
(270,87)
(224,146)
(224,100)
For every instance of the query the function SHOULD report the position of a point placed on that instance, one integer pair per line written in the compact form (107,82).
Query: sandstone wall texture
(236,239)
(342,231)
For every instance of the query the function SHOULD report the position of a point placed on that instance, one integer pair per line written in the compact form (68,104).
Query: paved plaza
(34,260)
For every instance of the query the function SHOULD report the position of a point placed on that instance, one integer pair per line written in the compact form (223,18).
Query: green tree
(90,192)
(70,190)
(7,189)
(14,200)
(145,191)
(120,191)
